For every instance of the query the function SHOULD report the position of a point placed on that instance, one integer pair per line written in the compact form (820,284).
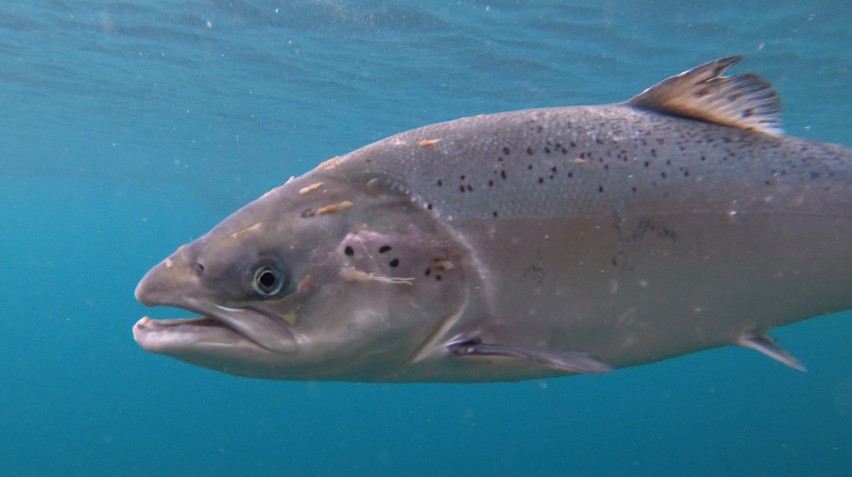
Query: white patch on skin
(232,310)
(169,262)
(328,209)
(329,164)
(248,229)
(351,274)
(310,188)
(442,265)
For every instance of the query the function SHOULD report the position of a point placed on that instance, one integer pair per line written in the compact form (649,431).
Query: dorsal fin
(744,101)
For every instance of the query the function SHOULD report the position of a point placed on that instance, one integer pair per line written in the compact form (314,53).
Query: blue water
(130,128)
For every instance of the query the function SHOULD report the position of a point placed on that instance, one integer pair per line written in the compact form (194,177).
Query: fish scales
(560,162)
(526,244)
(645,185)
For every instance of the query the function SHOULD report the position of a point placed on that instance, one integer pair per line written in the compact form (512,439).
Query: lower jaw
(172,336)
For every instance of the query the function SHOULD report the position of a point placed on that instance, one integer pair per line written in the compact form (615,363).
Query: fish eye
(268,281)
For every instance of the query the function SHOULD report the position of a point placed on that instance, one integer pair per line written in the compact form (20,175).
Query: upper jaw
(266,331)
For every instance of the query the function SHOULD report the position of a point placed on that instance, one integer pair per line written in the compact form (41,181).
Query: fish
(525,245)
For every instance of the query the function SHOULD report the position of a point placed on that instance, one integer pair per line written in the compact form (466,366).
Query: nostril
(199,267)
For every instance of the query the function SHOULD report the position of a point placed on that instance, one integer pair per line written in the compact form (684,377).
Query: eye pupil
(267,281)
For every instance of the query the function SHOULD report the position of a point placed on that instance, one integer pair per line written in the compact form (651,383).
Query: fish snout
(166,280)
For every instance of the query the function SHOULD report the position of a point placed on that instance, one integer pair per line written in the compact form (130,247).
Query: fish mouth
(217,327)
(175,336)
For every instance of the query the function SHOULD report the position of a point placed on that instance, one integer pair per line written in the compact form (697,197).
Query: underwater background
(129,128)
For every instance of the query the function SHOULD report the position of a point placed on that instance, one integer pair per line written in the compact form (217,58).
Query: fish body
(526,244)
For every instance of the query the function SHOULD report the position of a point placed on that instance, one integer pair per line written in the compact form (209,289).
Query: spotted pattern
(592,160)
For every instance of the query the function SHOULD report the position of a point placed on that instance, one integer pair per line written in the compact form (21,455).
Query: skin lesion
(310,188)
(331,208)
(442,265)
(352,274)
(646,226)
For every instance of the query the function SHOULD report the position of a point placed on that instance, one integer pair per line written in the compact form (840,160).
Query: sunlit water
(130,128)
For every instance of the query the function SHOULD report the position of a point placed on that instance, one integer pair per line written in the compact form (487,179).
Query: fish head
(325,281)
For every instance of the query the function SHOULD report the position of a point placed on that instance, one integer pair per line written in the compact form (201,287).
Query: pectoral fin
(571,361)
(760,342)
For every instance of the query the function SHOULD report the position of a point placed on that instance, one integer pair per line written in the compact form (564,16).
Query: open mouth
(165,336)
(218,326)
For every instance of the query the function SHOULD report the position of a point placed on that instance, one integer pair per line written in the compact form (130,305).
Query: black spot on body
(349,251)
(394,263)
(384,249)
(647,226)
(507,151)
